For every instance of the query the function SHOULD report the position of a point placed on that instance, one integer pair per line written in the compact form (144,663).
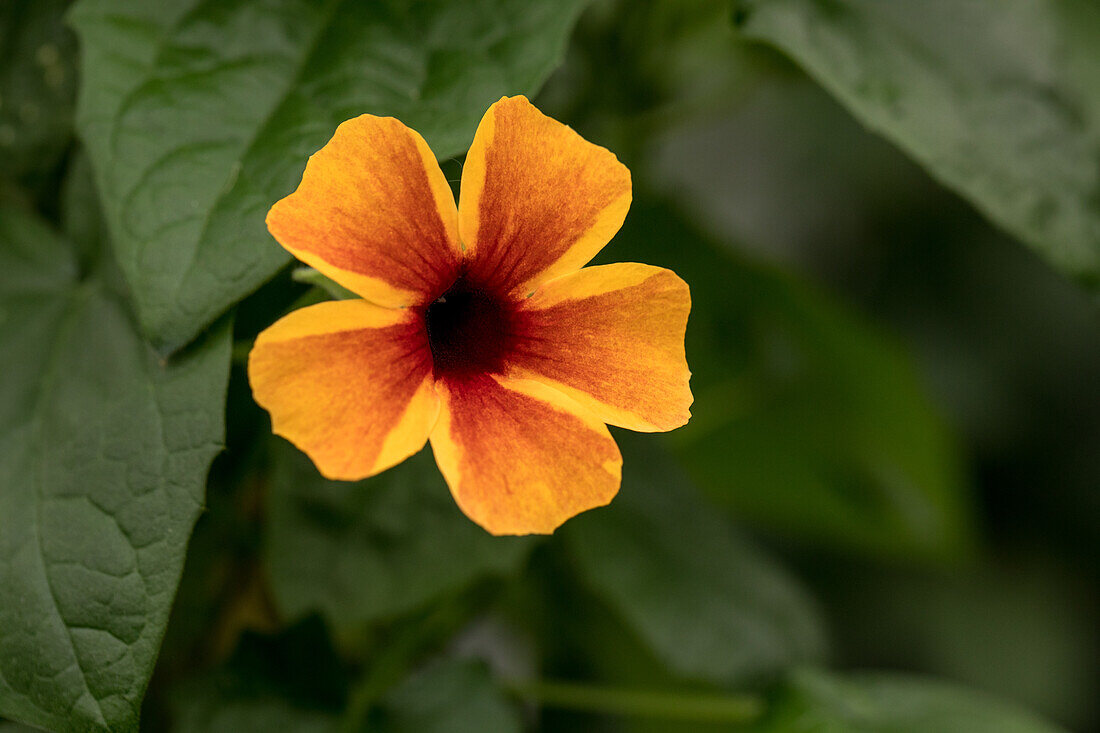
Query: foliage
(105,450)
(1014,132)
(807,418)
(198,116)
(707,602)
(367,551)
(891,462)
(37,87)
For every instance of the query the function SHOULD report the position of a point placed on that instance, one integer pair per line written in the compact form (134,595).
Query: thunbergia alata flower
(478,329)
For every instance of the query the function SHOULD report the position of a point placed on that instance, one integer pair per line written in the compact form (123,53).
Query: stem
(695,707)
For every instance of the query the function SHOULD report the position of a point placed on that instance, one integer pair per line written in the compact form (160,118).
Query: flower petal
(611,337)
(349,383)
(538,200)
(519,457)
(374,213)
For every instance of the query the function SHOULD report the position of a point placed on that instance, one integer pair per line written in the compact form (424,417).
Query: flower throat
(470,331)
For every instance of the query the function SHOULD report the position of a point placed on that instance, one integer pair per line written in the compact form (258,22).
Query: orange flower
(478,329)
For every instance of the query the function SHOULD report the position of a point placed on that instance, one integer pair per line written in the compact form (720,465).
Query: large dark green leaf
(711,605)
(365,551)
(104,451)
(819,702)
(998,99)
(37,85)
(806,419)
(200,115)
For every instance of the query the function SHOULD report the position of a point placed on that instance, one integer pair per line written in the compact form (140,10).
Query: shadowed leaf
(998,99)
(366,551)
(707,602)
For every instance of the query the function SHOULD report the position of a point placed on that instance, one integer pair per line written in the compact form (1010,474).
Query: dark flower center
(470,331)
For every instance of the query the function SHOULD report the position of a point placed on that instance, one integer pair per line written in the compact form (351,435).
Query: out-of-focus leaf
(709,604)
(806,420)
(290,682)
(199,116)
(294,682)
(449,697)
(6,727)
(1025,631)
(452,697)
(885,703)
(104,449)
(82,215)
(37,85)
(214,709)
(784,170)
(365,551)
(998,99)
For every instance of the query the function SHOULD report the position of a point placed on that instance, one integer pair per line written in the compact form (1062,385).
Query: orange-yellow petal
(611,338)
(349,383)
(519,457)
(374,213)
(538,200)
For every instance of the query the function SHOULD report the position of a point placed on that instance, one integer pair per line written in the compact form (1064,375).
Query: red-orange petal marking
(349,383)
(611,338)
(519,457)
(538,200)
(374,213)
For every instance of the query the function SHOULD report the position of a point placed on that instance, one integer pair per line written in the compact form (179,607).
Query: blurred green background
(889,216)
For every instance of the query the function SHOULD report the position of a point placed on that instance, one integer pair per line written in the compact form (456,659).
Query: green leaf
(289,682)
(367,551)
(711,605)
(1015,132)
(16,728)
(294,682)
(956,625)
(82,214)
(199,116)
(449,697)
(37,85)
(807,419)
(886,703)
(104,451)
(212,711)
